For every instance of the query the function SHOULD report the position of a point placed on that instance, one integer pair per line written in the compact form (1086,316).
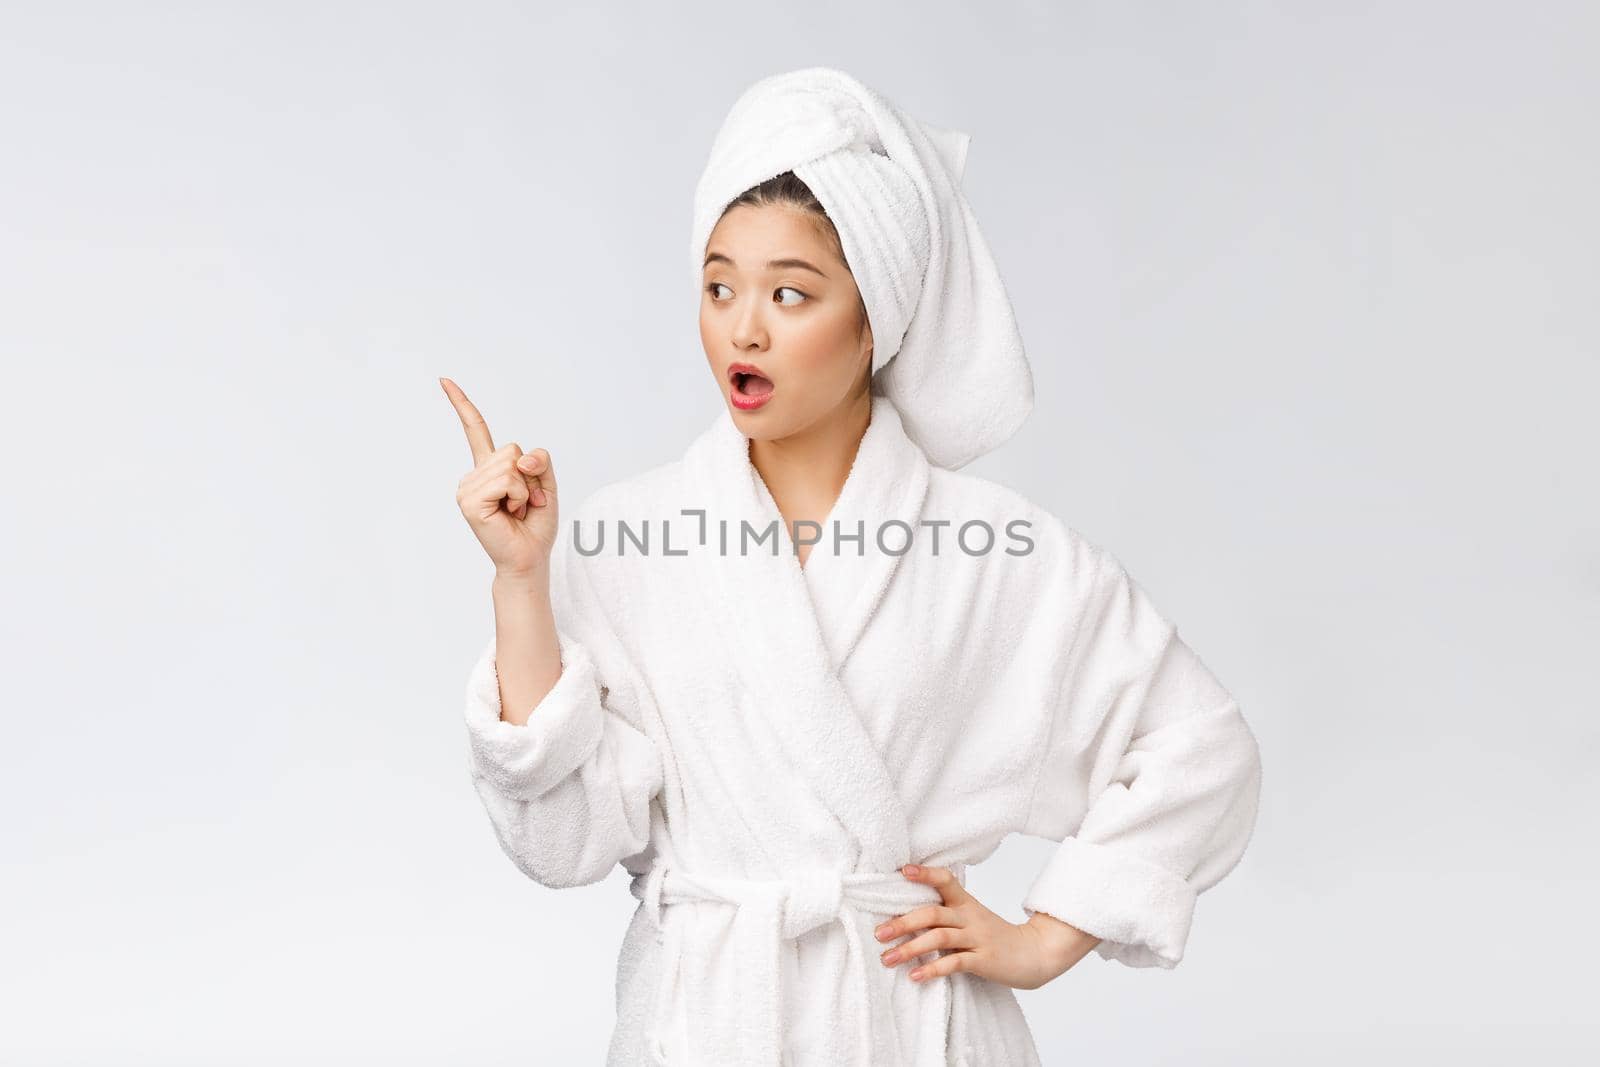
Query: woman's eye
(712,287)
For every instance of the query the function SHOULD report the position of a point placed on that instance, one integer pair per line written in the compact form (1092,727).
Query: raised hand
(975,940)
(508,497)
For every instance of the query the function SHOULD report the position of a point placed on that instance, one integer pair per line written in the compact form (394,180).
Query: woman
(796,742)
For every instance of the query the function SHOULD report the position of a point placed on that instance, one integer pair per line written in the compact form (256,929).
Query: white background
(1310,294)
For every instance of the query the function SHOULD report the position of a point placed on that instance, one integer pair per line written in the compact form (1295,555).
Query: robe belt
(771,912)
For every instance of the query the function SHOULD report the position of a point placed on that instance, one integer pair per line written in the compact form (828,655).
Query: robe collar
(790,630)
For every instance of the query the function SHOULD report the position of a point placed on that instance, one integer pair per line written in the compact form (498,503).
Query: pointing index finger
(471,420)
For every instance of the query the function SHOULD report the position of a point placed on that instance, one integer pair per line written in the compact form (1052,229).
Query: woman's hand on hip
(976,941)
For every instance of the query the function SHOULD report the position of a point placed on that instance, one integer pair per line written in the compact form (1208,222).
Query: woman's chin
(765,424)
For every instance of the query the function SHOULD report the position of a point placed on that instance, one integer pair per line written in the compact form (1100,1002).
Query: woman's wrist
(1064,943)
(531,579)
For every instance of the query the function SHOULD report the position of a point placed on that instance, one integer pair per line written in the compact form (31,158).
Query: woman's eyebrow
(772,264)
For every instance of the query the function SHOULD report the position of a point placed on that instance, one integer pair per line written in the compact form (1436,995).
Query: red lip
(739,399)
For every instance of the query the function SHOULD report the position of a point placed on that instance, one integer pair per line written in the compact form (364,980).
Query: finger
(496,482)
(941,937)
(538,463)
(512,488)
(488,473)
(529,466)
(942,879)
(478,437)
(919,919)
(536,495)
(945,965)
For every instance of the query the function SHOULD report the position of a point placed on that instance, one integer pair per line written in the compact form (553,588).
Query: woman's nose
(749,329)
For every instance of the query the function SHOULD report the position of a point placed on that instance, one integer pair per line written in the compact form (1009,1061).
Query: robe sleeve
(1150,768)
(569,793)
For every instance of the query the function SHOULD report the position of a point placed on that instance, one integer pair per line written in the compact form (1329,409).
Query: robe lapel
(789,647)
(889,481)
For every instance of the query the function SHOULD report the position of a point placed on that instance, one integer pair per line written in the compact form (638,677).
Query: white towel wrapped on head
(892,186)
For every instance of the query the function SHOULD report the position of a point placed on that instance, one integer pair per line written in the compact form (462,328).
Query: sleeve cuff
(563,731)
(1140,911)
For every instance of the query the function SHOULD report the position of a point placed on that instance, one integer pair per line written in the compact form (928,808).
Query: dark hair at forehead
(787,190)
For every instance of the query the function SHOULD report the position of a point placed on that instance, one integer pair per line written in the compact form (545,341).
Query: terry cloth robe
(762,745)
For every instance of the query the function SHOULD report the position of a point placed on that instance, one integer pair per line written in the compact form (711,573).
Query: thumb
(536,465)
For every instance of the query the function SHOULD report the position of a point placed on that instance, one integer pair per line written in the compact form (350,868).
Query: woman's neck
(806,471)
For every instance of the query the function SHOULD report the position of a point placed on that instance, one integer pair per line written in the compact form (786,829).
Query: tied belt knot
(813,898)
(768,914)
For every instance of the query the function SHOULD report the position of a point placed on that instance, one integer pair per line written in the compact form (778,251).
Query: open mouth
(751,384)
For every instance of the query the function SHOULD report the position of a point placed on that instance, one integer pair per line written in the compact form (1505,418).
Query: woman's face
(778,298)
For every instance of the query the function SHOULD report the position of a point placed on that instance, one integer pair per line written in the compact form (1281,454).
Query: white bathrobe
(762,745)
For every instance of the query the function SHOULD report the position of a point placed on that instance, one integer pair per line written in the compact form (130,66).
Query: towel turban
(946,349)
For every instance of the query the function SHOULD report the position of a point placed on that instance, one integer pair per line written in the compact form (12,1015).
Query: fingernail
(912,869)
(882,931)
